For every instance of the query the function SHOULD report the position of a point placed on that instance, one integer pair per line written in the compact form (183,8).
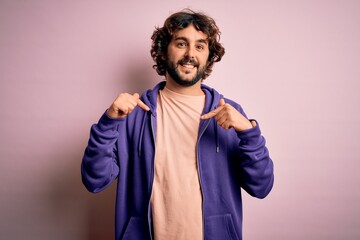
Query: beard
(173,71)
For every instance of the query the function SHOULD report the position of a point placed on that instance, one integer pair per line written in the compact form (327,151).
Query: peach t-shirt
(176,196)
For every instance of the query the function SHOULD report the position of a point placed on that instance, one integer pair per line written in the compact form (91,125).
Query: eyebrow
(187,40)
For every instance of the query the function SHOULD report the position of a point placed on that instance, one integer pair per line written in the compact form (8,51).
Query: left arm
(257,170)
(257,176)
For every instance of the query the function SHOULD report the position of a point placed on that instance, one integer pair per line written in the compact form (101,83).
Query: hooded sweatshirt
(228,161)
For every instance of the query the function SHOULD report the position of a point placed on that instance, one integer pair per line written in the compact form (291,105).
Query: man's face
(187,56)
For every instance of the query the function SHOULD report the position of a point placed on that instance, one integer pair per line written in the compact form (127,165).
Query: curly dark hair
(180,20)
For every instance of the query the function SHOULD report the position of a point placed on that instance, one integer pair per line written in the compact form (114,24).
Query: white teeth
(188,66)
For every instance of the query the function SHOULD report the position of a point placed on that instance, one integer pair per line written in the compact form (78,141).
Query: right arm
(99,167)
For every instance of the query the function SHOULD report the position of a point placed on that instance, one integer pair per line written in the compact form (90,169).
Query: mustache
(188,61)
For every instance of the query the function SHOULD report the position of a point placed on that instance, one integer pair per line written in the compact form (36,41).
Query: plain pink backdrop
(293,65)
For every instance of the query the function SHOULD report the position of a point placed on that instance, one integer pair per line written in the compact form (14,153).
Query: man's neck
(194,90)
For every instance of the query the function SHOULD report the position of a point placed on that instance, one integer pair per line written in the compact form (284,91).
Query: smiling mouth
(188,64)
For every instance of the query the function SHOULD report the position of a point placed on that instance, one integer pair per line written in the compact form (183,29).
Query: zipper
(198,168)
(152,179)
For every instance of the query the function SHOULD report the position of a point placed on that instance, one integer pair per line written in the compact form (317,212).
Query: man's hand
(228,117)
(124,104)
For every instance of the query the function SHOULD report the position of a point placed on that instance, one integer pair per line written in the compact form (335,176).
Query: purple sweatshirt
(124,149)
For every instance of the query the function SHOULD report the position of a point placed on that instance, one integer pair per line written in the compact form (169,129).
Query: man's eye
(200,47)
(181,44)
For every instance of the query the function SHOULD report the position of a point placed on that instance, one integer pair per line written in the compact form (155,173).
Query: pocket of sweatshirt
(136,229)
(220,227)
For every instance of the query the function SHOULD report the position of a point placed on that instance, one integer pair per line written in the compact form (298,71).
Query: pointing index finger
(143,105)
(211,114)
(140,103)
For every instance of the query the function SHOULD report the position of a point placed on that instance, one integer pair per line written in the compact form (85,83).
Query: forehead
(190,33)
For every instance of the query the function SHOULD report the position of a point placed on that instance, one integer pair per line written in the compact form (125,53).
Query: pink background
(293,65)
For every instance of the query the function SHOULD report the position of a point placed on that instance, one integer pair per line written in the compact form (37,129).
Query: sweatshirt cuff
(250,136)
(107,123)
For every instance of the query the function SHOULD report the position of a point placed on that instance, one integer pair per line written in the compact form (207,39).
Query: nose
(190,53)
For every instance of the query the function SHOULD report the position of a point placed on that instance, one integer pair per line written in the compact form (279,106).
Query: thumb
(136,95)
(221,102)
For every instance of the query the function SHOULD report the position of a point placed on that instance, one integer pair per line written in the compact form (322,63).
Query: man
(181,152)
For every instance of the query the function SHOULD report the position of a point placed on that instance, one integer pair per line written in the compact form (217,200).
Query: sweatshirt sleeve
(257,176)
(99,167)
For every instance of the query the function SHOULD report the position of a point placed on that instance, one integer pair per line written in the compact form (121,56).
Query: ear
(212,57)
